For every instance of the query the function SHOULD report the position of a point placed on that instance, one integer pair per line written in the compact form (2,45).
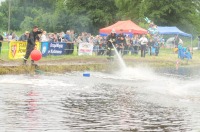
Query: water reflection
(102,102)
(31,109)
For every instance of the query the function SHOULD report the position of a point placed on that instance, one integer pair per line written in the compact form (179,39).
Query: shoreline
(88,63)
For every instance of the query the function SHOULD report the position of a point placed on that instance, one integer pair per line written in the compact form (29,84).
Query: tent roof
(172,30)
(128,27)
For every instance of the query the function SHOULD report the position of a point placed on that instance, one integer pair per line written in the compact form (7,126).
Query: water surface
(134,99)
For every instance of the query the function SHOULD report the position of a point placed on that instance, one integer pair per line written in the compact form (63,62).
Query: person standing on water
(31,43)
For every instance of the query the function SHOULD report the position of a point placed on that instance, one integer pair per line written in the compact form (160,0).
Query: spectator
(176,41)
(72,37)
(50,37)
(96,44)
(14,36)
(84,37)
(43,37)
(127,44)
(102,45)
(143,42)
(79,40)
(1,40)
(24,37)
(68,41)
(91,40)
(157,47)
(9,36)
(135,45)
(60,37)
(121,42)
(151,46)
(55,37)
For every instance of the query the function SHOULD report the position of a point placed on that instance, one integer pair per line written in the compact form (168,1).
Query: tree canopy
(90,15)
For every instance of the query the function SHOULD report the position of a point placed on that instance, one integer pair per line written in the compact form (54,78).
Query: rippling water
(134,99)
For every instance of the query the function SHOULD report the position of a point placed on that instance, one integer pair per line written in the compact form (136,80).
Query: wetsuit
(31,44)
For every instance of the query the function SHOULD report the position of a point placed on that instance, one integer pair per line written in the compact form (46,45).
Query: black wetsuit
(31,44)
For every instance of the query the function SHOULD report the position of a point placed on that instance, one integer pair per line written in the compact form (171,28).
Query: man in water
(31,43)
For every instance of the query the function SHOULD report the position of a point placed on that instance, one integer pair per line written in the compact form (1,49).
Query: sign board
(85,48)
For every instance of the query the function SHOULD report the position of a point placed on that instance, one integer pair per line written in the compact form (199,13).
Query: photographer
(33,35)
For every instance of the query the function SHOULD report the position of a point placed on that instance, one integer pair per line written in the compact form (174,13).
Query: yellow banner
(17,49)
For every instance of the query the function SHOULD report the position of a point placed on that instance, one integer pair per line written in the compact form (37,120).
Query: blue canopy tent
(173,30)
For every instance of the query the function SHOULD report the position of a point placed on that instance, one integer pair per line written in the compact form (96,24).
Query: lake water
(133,99)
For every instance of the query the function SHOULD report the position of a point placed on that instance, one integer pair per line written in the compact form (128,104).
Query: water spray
(122,63)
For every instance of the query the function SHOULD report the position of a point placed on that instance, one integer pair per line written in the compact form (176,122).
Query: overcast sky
(1,0)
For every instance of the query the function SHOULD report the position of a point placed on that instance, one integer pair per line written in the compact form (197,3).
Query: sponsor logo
(14,50)
(44,49)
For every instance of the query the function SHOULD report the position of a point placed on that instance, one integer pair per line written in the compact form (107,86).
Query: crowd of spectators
(125,44)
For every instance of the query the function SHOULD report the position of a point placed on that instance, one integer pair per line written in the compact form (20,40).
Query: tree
(163,12)
(27,24)
(100,12)
(4,15)
(91,15)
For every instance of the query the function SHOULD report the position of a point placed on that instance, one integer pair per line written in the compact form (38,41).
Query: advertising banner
(53,48)
(44,48)
(85,48)
(17,49)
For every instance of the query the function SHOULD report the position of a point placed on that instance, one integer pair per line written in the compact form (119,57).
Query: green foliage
(27,23)
(181,13)
(4,16)
(100,13)
(3,23)
(90,15)
(130,9)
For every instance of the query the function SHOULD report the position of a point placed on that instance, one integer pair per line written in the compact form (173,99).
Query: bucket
(86,74)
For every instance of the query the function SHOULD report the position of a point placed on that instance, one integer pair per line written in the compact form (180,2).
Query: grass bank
(66,63)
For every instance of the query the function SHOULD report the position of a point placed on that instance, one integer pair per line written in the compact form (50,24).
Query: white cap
(113,31)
